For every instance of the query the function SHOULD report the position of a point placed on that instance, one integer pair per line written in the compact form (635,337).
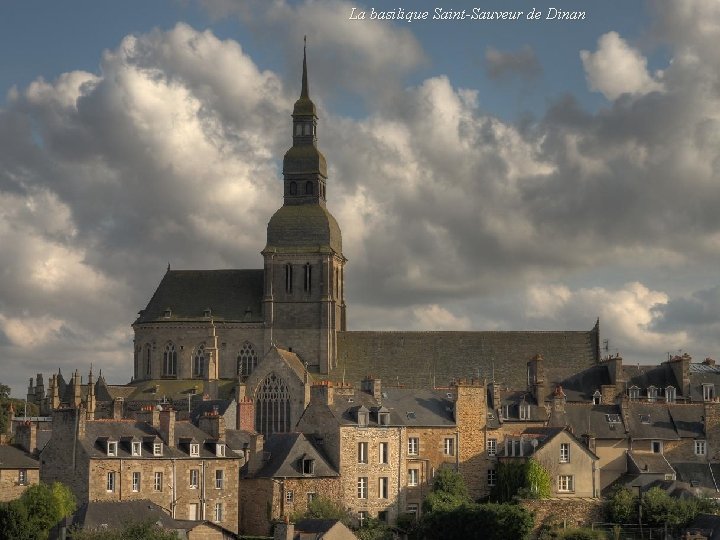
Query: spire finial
(304,92)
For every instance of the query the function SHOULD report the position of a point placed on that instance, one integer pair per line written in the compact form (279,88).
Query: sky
(486,174)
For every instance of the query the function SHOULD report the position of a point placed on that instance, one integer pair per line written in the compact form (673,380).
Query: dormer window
(308,466)
(157,449)
(220,450)
(597,398)
(168,313)
(112,448)
(652,393)
(194,449)
(708,391)
(384,418)
(363,417)
(524,411)
(670,394)
(644,418)
(634,392)
(505,412)
(135,448)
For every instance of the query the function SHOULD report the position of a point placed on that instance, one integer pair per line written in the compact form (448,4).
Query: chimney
(150,415)
(245,415)
(26,436)
(257,445)
(537,383)
(322,393)
(284,530)
(372,386)
(91,397)
(680,366)
(54,393)
(117,409)
(167,427)
(213,424)
(77,391)
(559,400)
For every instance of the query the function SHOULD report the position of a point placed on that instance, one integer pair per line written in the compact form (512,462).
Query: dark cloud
(500,65)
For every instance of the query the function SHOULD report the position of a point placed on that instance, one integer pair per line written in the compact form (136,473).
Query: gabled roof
(650,421)
(688,419)
(427,359)
(578,386)
(115,515)
(231,295)
(643,377)
(514,399)
(12,457)
(600,421)
(285,452)
(648,463)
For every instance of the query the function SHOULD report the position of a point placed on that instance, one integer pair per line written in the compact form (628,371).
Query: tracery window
(199,361)
(170,359)
(272,406)
(246,360)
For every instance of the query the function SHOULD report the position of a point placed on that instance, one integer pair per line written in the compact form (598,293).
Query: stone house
(186,470)
(19,470)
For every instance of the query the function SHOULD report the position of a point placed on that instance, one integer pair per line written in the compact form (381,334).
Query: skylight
(612,418)
(644,418)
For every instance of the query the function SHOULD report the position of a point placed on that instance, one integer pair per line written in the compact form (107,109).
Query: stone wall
(11,488)
(579,512)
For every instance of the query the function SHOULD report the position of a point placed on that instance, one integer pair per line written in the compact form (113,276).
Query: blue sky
(486,175)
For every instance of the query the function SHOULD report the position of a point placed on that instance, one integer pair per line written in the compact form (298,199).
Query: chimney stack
(167,427)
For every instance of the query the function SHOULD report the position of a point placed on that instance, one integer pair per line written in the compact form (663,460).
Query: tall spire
(304,93)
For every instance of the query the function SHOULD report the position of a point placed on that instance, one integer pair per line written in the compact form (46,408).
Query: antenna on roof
(168,268)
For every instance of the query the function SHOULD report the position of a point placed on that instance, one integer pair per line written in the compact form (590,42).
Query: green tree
(46,505)
(622,506)
(478,522)
(323,508)
(14,521)
(524,479)
(448,492)
(374,529)
(4,391)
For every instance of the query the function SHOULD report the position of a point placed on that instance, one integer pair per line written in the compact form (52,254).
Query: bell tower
(304,296)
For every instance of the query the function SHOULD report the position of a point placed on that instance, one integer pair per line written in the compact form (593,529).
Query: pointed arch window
(308,188)
(288,277)
(199,361)
(293,188)
(170,360)
(272,406)
(246,360)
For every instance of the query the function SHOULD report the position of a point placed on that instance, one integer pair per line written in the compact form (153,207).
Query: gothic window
(288,277)
(293,188)
(199,362)
(147,359)
(309,188)
(298,129)
(272,406)
(308,276)
(308,129)
(170,359)
(246,360)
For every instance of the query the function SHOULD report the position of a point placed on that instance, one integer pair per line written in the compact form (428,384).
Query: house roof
(12,457)
(114,515)
(510,402)
(649,463)
(688,419)
(703,374)
(178,389)
(430,359)
(650,421)
(285,452)
(231,295)
(578,386)
(600,421)
(696,474)
(660,376)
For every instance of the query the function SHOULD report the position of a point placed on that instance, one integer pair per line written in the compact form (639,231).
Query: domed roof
(303,227)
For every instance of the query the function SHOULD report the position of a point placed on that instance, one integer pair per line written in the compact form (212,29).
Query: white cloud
(617,68)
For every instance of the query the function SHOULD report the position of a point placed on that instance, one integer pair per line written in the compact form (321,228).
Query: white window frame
(670,394)
(413,477)
(491,478)
(362,487)
(157,449)
(112,448)
(289,496)
(634,392)
(194,478)
(383,453)
(412,508)
(218,514)
(449,446)
(158,481)
(652,394)
(564,452)
(413,446)
(700,447)
(708,391)
(219,478)
(383,487)
(110,486)
(597,398)
(136,448)
(136,479)
(23,477)
(220,450)
(524,411)
(362,453)
(492,447)
(566,483)
(194,449)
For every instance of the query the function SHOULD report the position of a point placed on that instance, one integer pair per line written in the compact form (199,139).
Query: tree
(4,391)
(13,521)
(526,479)
(478,522)
(323,508)
(374,529)
(448,492)
(622,506)
(46,505)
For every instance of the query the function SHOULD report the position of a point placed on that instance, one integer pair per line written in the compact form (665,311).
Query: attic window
(612,418)
(652,393)
(220,450)
(194,449)
(384,418)
(135,448)
(362,418)
(207,313)
(490,416)
(597,398)
(157,449)
(670,394)
(112,448)
(644,418)
(524,411)
(505,412)
(308,466)
(168,313)
(634,392)
(449,395)
(708,392)
(411,415)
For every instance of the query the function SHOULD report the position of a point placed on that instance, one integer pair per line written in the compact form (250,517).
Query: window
(383,516)
(383,451)
(597,398)
(111,481)
(505,411)
(308,466)
(383,487)
(645,419)
(293,188)
(199,361)
(708,392)
(652,393)
(298,129)
(158,483)
(363,417)
(656,447)
(220,450)
(112,449)
(670,394)
(449,446)
(308,277)
(147,359)
(194,449)
(135,448)
(524,411)
(289,496)
(288,277)
(362,452)
(565,483)
(170,360)
(362,485)
(491,477)
(272,406)
(564,452)
(22,477)
(634,392)
(413,446)
(612,418)
(384,418)
(413,475)
(157,449)
(311,496)
(308,188)
(136,481)
(247,359)
(218,512)
(700,448)
(362,518)
(194,478)
(193,511)
(492,447)
(412,508)
(219,479)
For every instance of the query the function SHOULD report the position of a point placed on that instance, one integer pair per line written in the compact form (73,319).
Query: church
(268,334)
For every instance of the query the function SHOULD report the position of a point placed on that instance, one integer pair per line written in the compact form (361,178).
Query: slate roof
(643,377)
(513,400)
(695,474)
(203,407)
(12,457)
(229,294)
(578,386)
(177,389)
(315,525)
(284,452)
(430,407)
(584,417)
(303,227)
(703,373)
(660,426)
(648,463)
(688,419)
(431,359)
(116,515)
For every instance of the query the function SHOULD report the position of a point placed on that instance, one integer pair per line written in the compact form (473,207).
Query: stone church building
(269,333)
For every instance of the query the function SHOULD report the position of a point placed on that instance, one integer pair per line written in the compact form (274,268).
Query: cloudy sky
(486,174)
